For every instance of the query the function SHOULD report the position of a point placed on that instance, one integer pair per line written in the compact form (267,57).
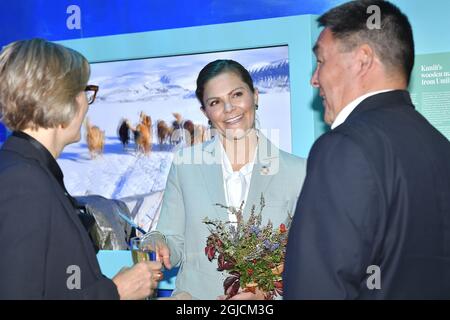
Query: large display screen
(110,161)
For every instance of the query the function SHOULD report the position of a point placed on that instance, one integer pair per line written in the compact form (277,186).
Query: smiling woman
(235,168)
(229,100)
(230,105)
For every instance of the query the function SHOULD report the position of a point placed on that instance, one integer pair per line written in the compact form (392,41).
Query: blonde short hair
(39,83)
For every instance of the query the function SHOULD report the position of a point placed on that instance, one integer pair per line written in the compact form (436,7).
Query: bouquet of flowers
(251,254)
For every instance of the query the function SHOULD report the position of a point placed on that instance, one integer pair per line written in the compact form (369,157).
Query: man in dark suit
(373,217)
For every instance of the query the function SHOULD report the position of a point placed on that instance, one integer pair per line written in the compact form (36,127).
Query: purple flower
(267,244)
(275,246)
(255,230)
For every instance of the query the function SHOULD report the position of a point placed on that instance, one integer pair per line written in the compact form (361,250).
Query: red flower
(222,264)
(210,251)
(232,284)
(250,272)
(282,228)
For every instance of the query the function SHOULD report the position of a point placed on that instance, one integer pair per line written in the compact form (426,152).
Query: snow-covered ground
(138,180)
(117,173)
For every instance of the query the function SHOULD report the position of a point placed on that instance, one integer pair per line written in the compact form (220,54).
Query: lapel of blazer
(213,176)
(23,148)
(396,98)
(266,166)
(16,145)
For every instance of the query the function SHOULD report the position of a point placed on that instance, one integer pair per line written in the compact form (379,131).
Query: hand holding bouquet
(251,254)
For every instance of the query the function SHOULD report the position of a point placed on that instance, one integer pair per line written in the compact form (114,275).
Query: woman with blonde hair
(46,251)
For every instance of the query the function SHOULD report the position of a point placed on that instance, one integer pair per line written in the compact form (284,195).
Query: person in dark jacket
(372,220)
(46,250)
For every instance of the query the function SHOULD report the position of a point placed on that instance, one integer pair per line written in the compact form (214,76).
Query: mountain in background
(142,86)
(272,77)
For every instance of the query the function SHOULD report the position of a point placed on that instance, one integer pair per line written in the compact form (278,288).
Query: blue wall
(431,23)
(47,18)
(21,19)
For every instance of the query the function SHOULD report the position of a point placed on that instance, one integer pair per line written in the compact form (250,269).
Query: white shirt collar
(345,112)
(236,183)
(228,168)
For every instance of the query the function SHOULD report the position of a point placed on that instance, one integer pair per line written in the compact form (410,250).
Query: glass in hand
(141,251)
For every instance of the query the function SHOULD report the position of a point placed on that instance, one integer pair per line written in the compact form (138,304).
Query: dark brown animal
(176,135)
(124,133)
(143,134)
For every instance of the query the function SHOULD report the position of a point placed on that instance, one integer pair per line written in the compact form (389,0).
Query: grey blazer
(195,185)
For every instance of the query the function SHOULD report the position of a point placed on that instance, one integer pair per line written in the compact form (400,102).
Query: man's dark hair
(393,42)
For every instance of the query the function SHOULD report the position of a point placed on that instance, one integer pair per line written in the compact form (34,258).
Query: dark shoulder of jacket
(367,130)
(15,169)
(326,139)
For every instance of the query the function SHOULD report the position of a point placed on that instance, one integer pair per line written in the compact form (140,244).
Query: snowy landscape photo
(158,95)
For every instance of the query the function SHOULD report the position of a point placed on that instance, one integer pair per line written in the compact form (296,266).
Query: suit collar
(395,98)
(22,145)
(265,167)
(345,112)
(211,169)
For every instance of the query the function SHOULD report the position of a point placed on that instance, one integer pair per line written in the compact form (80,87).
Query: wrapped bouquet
(251,254)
